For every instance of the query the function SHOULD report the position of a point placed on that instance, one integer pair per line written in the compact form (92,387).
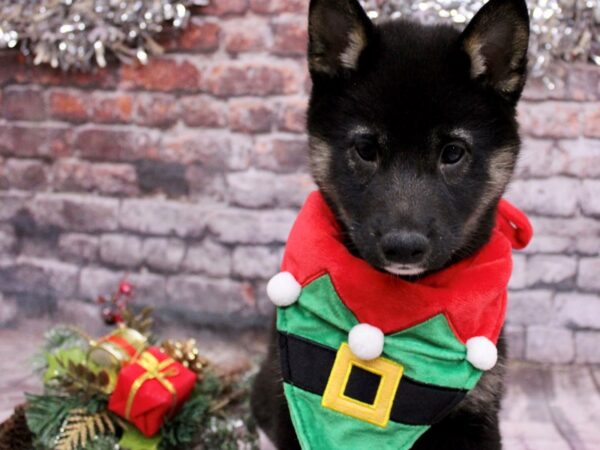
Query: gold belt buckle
(335,396)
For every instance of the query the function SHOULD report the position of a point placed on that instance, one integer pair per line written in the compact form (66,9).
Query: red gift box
(151,388)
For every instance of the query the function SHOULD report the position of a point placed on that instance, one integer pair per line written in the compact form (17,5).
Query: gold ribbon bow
(155,370)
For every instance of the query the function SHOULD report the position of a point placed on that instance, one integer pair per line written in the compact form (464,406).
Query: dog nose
(405,247)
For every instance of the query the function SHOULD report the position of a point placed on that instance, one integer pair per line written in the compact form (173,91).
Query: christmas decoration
(115,350)
(114,305)
(151,388)
(561,30)
(81,427)
(79,34)
(186,352)
(376,357)
(154,403)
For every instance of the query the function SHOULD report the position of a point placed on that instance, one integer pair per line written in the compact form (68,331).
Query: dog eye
(366,147)
(452,153)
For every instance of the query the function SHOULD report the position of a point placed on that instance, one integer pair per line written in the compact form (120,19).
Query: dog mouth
(404,269)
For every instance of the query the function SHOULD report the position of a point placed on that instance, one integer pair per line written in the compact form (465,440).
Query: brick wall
(187,173)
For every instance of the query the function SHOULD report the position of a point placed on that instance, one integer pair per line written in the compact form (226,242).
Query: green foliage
(210,419)
(105,442)
(183,428)
(61,337)
(227,433)
(134,439)
(46,414)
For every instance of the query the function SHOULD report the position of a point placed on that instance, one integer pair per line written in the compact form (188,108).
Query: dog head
(412,129)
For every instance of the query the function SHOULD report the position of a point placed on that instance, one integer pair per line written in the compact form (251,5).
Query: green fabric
(335,431)
(429,352)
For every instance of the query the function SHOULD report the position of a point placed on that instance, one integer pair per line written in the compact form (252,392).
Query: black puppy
(413,140)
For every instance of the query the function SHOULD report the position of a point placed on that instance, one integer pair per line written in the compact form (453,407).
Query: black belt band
(307,365)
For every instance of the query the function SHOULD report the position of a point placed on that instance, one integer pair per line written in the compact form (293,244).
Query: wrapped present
(117,348)
(151,388)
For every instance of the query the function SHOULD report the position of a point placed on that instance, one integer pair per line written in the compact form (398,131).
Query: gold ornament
(186,353)
(116,349)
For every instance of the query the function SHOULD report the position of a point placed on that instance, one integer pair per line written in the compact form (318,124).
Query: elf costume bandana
(371,360)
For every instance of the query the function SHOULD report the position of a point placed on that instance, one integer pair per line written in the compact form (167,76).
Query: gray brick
(26,174)
(8,239)
(550,269)
(550,345)
(256,262)
(518,279)
(575,310)
(529,307)
(24,279)
(163,254)
(541,157)
(75,212)
(207,295)
(163,217)
(587,345)
(149,288)
(553,196)
(8,311)
(259,188)
(589,274)
(549,244)
(588,245)
(572,227)
(216,150)
(251,227)
(264,304)
(590,197)
(515,340)
(583,159)
(62,278)
(208,257)
(78,247)
(86,315)
(121,250)
(12,203)
(95,281)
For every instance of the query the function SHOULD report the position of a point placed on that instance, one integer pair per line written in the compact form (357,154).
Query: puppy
(412,130)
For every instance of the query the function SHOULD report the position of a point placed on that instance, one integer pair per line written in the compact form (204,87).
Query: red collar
(471,293)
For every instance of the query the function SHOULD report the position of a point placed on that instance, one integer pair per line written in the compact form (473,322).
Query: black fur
(413,139)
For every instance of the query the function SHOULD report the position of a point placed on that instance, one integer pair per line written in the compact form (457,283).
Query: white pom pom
(283,289)
(482,353)
(366,341)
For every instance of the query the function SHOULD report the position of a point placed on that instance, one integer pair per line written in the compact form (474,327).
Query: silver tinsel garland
(561,30)
(78,34)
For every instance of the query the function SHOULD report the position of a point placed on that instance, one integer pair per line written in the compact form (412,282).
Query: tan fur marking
(356,44)
(320,158)
(320,161)
(510,84)
(463,134)
(473,48)
(500,170)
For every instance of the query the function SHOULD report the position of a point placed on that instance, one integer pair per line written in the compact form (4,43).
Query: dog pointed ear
(339,31)
(496,41)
